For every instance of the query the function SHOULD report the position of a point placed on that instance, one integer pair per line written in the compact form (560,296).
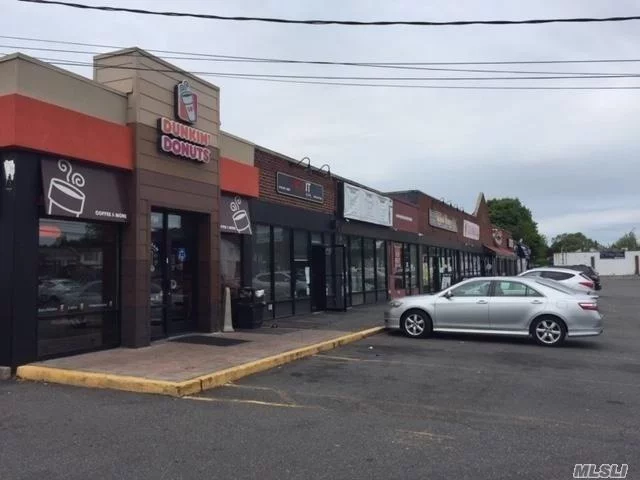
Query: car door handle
(482,301)
(536,302)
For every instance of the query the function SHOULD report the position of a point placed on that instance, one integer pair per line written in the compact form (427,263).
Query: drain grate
(208,340)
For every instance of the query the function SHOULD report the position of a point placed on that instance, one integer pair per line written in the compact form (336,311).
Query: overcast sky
(571,156)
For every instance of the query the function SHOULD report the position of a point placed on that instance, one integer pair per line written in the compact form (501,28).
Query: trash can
(248,308)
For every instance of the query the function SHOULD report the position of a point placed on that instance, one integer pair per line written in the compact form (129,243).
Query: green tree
(512,215)
(572,242)
(628,241)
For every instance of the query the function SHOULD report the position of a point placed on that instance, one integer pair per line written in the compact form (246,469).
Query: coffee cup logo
(240,216)
(186,103)
(65,195)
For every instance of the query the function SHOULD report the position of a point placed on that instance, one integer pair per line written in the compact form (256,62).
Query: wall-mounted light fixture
(9,167)
(328,169)
(302,160)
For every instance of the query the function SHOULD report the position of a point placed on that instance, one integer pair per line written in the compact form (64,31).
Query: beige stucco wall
(32,78)
(150,82)
(236,148)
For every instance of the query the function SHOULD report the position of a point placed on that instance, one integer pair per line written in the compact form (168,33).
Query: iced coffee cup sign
(234,215)
(186,103)
(73,189)
(178,137)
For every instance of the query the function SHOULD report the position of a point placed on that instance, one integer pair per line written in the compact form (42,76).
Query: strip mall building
(125,211)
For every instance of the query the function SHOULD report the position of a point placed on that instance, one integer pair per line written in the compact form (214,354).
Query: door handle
(482,301)
(536,302)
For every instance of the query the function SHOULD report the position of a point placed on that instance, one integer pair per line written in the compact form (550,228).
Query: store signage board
(471,230)
(178,137)
(367,206)
(440,220)
(75,190)
(234,215)
(611,254)
(299,188)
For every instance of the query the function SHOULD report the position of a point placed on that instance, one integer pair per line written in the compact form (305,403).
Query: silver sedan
(543,309)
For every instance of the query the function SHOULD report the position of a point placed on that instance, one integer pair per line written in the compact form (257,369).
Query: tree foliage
(573,242)
(512,215)
(628,241)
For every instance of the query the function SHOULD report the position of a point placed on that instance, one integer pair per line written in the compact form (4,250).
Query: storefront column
(135,284)
(19,261)
(208,274)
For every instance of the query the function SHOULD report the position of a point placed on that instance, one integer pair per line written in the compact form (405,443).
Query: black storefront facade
(61,222)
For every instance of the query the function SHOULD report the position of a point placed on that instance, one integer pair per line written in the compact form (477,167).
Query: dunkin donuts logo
(186,103)
(179,137)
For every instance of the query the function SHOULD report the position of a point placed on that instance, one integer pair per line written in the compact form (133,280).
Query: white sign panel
(471,230)
(367,206)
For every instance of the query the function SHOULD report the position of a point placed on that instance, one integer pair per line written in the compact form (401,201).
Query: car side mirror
(448,294)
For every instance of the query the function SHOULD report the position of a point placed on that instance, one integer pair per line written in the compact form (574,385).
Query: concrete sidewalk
(194,362)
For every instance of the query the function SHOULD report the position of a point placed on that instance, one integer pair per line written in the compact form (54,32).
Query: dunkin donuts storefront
(109,193)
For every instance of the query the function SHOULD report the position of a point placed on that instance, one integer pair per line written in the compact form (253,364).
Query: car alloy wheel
(416,324)
(549,331)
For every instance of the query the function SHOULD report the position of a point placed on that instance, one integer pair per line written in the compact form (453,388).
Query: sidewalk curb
(192,386)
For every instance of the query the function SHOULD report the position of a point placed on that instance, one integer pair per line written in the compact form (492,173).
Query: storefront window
(356,270)
(369,265)
(397,267)
(262,260)
(231,261)
(282,263)
(301,266)
(413,265)
(381,266)
(317,238)
(426,269)
(77,287)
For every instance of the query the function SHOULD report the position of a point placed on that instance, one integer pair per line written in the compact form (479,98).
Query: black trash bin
(248,308)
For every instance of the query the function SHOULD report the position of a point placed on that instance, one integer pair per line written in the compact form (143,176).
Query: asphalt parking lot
(386,407)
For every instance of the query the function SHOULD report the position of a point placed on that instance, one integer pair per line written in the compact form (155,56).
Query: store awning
(500,252)
(78,190)
(234,215)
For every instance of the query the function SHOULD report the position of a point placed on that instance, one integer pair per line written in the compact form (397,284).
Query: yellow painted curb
(80,378)
(192,386)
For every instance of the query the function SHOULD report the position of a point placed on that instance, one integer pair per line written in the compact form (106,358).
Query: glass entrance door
(173,273)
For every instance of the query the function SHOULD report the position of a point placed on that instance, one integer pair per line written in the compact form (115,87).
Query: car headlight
(395,303)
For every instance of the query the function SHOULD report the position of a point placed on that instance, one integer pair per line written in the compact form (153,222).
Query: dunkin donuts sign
(179,137)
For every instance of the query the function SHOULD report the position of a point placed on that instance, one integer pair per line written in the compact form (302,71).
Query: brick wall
(269,164)
(426,202)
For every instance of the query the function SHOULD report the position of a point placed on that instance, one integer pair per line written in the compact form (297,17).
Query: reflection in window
(381,265)
(478,288)
(355,265)
(301,266)
(77,282)
(369,265)
(397,266)
(231,261)
(413,264)
(262,260)
(282,263)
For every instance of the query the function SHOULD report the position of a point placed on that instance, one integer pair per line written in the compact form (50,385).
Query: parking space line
(283,395)
(250,402)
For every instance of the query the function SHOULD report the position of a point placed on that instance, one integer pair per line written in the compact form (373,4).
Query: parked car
(571,278)
(520,306)
(588,270)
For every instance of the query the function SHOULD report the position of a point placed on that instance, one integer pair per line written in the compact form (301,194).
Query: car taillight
(588,306)
(587,284)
